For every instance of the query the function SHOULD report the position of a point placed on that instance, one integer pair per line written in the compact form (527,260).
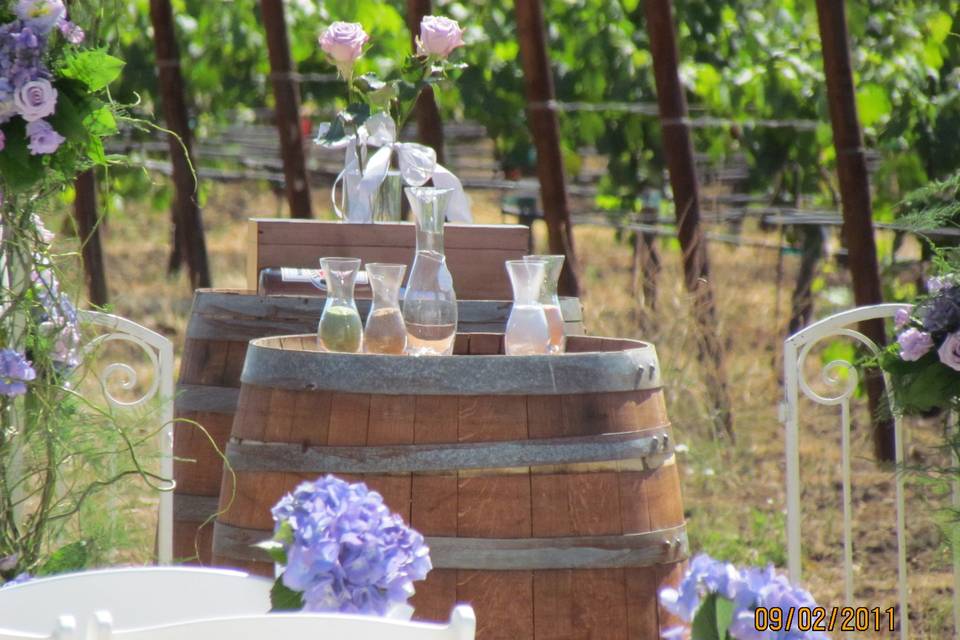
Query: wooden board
(475,253)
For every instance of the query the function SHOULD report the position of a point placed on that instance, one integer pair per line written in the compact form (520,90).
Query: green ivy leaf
(283,598)
(72,557)
(101,122)
(95,68)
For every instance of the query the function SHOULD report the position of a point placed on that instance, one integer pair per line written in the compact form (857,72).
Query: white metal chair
(66,629)
(135,597)
(294,626)
(796,349)
(159,351)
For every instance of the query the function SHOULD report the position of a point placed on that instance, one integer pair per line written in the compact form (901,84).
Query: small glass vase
(430,303)
(340,328)
(527,332)
(385,331)
(551,300)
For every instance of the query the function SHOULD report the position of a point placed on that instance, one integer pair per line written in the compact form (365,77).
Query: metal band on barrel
(506,554)
(294,458)
(626,369)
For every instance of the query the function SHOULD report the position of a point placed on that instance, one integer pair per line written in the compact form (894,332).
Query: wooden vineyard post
(88,229)
(854,195)
(546,136)
(286,93)
(429,124)
(188,222)
(678,149)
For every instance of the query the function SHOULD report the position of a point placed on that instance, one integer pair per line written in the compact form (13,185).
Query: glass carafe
(527,330)
(551,301)
(340,328)
(430,303)
(385,331)
(387,200)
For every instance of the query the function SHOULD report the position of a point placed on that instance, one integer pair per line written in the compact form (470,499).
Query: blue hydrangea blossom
(747,589)
(346,552)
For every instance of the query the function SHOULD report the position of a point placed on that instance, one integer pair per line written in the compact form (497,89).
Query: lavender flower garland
(26,88)
(343,549)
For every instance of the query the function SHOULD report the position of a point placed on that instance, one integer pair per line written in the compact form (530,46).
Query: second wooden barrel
(545,485)
(222,322)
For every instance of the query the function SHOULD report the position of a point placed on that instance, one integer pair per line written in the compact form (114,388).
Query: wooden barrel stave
(545,501)
(221,324)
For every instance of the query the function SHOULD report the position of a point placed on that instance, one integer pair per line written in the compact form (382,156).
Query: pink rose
(949,351)
(439,36)
(35,100)
(343,42)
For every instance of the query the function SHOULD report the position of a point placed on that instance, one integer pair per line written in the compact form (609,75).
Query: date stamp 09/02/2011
(825,619)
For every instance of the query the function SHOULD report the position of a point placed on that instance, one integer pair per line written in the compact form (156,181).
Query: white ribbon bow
(418,164)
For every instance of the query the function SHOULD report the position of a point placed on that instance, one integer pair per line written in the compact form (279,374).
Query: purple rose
(949,351)
(41,15)
(35,100)
(914,344)
(439,36)
(343,42)
(43,139)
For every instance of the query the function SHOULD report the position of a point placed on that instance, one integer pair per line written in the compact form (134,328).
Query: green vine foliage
(742,62)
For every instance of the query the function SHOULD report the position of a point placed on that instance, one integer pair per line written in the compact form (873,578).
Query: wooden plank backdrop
(475,253)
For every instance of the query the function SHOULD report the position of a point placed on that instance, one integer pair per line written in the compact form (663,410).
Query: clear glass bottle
(527,330)
(340,328)
(430,303)
(385,331)
(551,301)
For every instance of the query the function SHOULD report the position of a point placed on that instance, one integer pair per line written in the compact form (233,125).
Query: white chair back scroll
(135,597)
(159,351)
(66,629)
(796,349)
(295,626)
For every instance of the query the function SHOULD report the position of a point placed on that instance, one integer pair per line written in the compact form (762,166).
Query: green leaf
(369,82)
(873,104)
(356,114)
(275,549)
(101,122)
(72,557)
(713,618)
(96,153)
(94,68)
(20,169)
(283,598)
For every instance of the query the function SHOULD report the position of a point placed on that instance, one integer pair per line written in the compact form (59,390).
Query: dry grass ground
(734,491)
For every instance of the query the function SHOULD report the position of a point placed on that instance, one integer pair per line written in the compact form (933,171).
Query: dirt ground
(733,491)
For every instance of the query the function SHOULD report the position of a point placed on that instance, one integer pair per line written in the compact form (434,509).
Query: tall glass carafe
(385,331)
(340,328)
(551,301)
(430,303)
(527,330)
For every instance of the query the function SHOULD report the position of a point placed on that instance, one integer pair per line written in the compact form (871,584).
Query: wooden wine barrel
(546,485)
(221,324)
